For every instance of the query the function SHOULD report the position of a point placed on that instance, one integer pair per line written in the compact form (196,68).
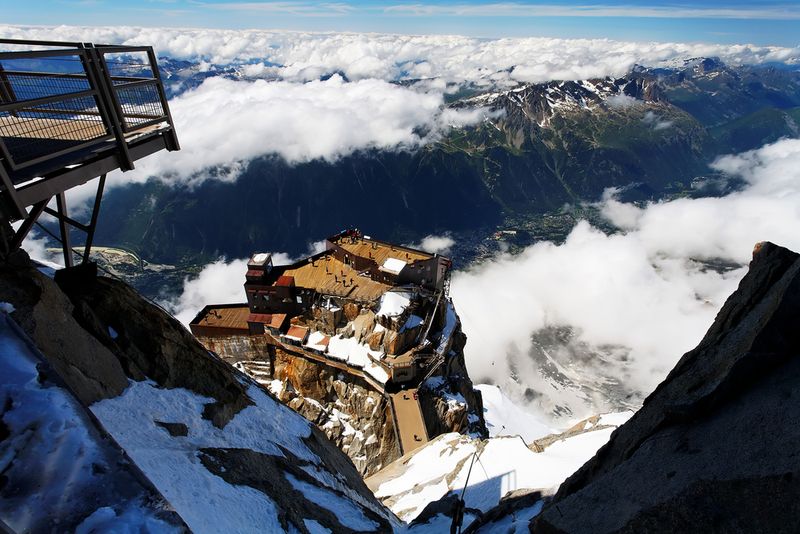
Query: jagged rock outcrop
(450,403)
(350,412)
(715,447)
(358,419)
(224,453)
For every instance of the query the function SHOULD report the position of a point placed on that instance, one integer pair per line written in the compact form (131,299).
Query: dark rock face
(262,471)
(153,345)
(88,367)
(716,447)
(60,471)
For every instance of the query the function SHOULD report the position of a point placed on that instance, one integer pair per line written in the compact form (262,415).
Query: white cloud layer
(225,123)
(642,289)
(302,56)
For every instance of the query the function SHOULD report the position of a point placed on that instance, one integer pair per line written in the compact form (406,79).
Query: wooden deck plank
(329,276)
(82,129)
(226,317)
(380,252)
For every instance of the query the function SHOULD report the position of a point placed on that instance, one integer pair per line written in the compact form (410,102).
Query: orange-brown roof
(274,320)
(285,281)
(297,332)
(226,317)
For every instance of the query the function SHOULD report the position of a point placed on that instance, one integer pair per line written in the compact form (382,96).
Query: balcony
(69,113)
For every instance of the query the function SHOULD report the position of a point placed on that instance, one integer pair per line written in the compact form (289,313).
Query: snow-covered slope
(540,102)
(203,473)
(502,465)
(59,473)
(504,418)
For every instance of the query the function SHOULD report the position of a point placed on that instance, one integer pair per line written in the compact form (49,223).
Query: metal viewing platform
(69,113)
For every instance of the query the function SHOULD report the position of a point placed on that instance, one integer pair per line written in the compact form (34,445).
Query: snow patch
(504,417)
(393,303)
(205,501)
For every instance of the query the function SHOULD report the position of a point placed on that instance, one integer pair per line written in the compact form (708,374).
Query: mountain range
(542,149)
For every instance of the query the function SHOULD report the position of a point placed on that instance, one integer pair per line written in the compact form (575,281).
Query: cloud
(220,282)
(623,101)
(635,301)
(225,123)
(281,105)
(301,56)
(655,122)
(435,244)
(40,249)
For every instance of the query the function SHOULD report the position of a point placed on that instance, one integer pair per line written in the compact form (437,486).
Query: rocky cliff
(714,448)
(224,453)
(351,412)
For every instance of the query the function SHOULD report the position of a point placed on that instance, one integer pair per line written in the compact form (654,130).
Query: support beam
(93,222)
(61,204)
(28,223)
(69,220)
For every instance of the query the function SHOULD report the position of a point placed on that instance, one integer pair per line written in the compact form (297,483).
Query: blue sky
(737,21)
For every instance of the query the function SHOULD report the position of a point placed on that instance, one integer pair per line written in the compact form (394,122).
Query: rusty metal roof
(273,320)
(285,281)
(297,332)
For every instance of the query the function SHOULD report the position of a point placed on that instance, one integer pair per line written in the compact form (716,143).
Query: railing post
(172,139)
(97,72)
(6,89)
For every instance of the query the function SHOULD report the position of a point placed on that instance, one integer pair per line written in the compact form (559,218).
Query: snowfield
(504,418)
(501,465)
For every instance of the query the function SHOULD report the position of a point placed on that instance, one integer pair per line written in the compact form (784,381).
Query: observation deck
(69,113)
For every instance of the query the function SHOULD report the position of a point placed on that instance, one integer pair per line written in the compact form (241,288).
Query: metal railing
(68,97)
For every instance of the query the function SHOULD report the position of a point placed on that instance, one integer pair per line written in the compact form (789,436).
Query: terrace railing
(70,112)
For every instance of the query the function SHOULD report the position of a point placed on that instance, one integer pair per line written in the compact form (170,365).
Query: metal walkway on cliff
(411,429)
(69,113)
